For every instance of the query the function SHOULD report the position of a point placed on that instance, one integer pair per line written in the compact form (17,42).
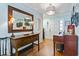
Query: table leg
(54,48)
(11,48)
(17,53)
(38,44)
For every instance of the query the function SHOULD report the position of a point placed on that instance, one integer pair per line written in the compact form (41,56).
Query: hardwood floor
(46,49)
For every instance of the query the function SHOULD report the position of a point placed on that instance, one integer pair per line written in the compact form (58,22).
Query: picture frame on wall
(75,19)
(19,20)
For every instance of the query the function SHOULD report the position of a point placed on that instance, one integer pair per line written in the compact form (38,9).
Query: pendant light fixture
(50,10)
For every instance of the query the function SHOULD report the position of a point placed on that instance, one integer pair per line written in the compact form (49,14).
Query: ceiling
(60,7)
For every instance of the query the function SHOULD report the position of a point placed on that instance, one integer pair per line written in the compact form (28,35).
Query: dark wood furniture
(70,44)
(19,41)
(57,40)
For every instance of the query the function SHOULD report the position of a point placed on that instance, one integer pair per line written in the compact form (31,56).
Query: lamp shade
(50,12)
(71,29)
(71,26)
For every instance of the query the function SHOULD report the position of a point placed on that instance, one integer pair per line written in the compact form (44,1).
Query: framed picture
(18,20)
(75,19)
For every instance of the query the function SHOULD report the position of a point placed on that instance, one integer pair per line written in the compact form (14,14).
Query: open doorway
(50,27)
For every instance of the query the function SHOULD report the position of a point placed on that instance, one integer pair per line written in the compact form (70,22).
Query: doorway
(50,27)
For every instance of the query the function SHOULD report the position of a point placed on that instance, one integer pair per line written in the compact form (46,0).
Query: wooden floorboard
(46,49)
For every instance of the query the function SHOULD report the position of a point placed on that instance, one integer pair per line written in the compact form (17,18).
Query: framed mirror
(19,21)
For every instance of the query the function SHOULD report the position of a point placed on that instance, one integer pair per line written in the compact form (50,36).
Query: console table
(70,44)
(19,41)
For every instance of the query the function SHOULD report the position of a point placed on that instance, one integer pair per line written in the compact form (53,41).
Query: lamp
(50,10)
(12,27)
(71,29)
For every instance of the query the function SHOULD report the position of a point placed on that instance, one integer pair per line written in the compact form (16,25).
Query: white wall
(4,19)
